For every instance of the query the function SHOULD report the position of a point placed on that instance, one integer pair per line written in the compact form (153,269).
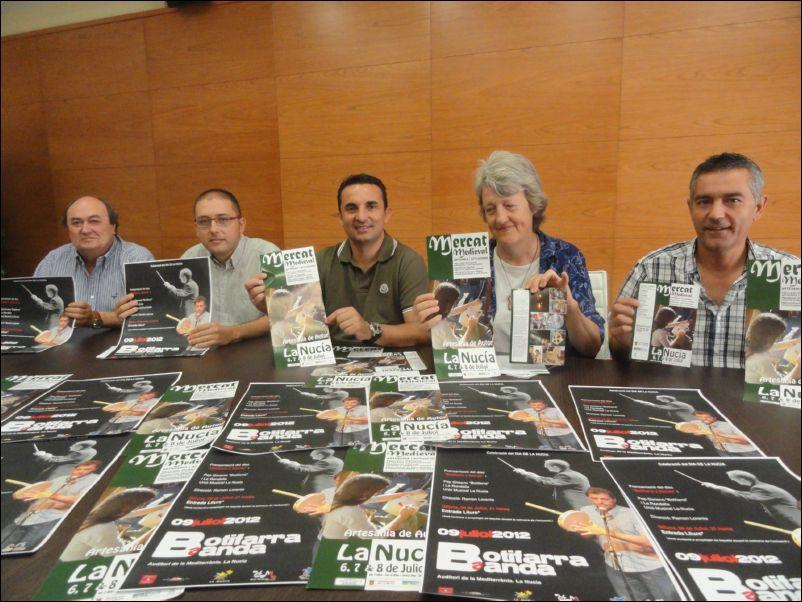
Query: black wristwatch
(376,330)
(97,320)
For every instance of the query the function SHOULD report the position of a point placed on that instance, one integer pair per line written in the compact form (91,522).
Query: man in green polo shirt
(370,280)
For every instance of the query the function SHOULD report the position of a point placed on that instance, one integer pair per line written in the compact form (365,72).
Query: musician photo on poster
(42,482)
(174,298)
(279,417)
(269,516)
(505,414)
(636,422)
(98,406)
(725,525)
(527,525)
(33,317)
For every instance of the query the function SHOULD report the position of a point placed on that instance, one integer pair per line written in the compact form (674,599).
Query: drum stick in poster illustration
(796,534)
(20,483)
(36,329)
(160,276)
(313,504)
(103,403)
(689,428)
(568,520)
(521,415)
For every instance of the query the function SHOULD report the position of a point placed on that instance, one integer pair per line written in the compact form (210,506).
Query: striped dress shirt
(719,333)
(105,284)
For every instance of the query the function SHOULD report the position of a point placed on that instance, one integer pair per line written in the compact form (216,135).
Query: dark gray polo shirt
(382,294)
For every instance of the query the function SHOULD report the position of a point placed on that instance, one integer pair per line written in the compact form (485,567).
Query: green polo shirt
(382,294)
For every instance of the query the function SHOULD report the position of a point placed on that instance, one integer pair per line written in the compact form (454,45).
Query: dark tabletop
(774,429)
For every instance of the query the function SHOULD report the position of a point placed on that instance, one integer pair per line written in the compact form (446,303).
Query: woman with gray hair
(513,204)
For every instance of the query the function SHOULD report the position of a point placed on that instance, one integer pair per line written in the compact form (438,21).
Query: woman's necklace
(526,276)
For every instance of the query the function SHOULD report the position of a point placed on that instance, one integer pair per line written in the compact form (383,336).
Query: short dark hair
(218,192)
(725,162)
(202,298)
(360,178)
(600,491)
(114,217)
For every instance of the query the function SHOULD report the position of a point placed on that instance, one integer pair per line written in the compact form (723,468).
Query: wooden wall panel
(27,195)
(753,86)
(475,27)
(318,36)
(91,61)
(103,131)
(652,17)
(21,76)
(256,186)
(383,109)
(203,44)
(309,187)
(132,192)
(523,97)
(232,121)
(654,175)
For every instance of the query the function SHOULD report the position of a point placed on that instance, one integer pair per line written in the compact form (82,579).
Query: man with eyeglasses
(219,226)
(94,258)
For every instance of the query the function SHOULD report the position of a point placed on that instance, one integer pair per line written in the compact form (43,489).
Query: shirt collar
(692,268)
(386,251)
(113,249)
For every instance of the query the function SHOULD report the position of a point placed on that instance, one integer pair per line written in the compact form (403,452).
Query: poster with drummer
(16,391)
(526,525)
(408,408)
(43,481)
(665,322)
(31,319)
(189,416)
(508,414)
(102,551)
(242,520)
(84,408)
(278,417)
(373,536)
(175,298)
(729,527)
(772,344)
(629,422)
(537,332)
(462,339)
(298,329)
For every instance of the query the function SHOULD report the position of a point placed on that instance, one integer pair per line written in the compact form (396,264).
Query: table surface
(774,429)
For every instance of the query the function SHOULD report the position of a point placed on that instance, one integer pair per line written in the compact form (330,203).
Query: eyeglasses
(204,223)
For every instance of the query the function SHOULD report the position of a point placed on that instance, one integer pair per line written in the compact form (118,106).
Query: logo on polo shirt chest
(384,288)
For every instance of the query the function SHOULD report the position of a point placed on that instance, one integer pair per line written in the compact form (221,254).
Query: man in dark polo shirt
(370,280)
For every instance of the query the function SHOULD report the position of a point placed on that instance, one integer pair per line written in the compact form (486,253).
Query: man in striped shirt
(726,198)
(94,258)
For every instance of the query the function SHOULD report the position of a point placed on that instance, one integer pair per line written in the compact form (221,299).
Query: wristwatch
(376,332)
(97,320)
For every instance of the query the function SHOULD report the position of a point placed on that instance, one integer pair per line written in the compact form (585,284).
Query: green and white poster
(407,408)
(295,307)
(374,534)
(462,340)
(772,341)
